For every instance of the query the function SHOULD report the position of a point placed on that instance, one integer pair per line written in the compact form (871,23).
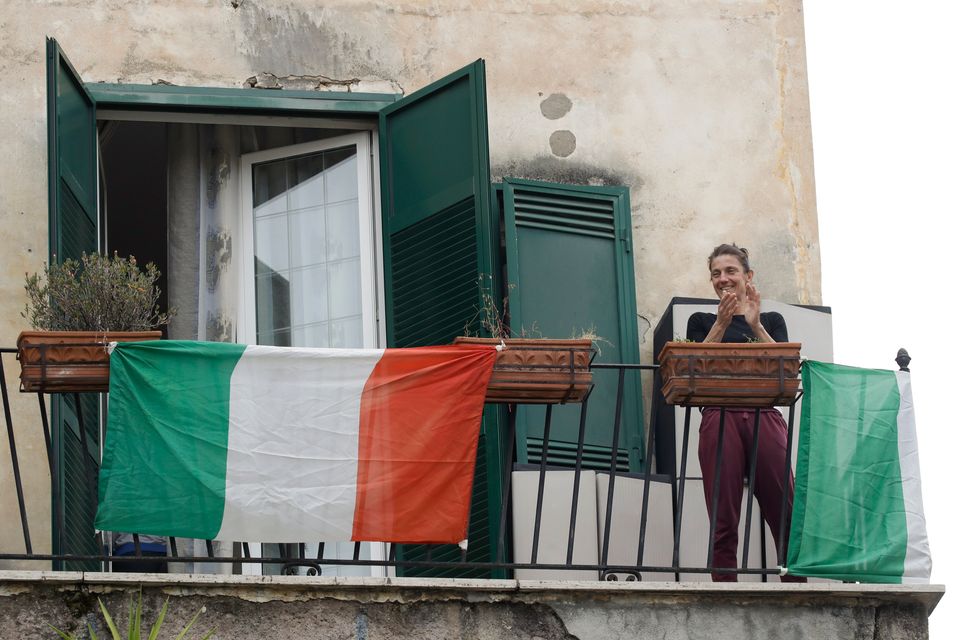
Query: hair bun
(730,250)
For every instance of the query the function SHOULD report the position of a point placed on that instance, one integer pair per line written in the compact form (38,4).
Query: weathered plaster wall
(699,106)
(373,608)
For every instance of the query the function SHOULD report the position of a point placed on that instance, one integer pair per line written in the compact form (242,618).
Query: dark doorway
(133,193)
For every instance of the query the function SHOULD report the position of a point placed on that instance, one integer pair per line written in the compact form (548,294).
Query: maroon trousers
(768,484)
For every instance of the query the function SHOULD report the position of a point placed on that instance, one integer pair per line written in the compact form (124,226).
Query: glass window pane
(270,243)
(314,335)
(344,293)
(307,251)
(309,295)
(343,231)
(273,302)
(347,333)
(307,238)
(269,187)
(341,168)
(279,338)
(305,178)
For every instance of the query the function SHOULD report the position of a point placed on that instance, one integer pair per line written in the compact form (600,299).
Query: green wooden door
(570,270)
(72,193)
(438,239)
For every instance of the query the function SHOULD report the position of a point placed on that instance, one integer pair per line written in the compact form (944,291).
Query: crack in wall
(267,80)
(643,326)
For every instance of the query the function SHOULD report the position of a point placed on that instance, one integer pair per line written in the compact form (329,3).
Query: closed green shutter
(437,243)
(72,192)
(570,271)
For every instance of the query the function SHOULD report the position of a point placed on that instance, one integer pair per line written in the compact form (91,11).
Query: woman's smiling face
(727,274)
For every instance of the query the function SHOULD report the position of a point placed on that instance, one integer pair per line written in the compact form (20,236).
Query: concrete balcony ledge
(400,608)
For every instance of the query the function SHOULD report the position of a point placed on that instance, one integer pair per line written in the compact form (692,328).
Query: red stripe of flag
(419,425)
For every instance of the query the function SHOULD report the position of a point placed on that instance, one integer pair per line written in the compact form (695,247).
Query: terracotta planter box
(533,371)
(69,361)
(715,374)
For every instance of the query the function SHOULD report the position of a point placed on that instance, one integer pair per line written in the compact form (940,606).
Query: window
(327,253)
(308,244)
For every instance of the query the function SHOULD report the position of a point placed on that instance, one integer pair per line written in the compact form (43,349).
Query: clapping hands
(751,306)
(727,308)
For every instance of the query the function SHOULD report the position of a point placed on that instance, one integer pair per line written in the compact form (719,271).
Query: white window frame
(371,279)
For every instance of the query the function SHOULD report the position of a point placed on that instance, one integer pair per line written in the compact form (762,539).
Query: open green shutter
(578,239)
(437,230)
(72,193)
(437,243)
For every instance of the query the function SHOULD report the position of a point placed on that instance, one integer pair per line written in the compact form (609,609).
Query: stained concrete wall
(699,106)
(375,608)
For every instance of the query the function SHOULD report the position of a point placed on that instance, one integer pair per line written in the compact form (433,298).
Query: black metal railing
(294,558)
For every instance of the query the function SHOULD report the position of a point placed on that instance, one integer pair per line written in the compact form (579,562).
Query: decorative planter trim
(535,371)
(730,374)
(70,361)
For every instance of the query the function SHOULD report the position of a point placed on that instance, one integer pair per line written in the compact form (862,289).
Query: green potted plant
(135,629)
(77,309)
(732,374)
(532,370)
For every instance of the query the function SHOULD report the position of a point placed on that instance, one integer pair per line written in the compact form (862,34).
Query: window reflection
(307,250)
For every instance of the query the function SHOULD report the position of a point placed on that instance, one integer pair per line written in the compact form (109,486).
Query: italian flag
(858,511)
(279,444)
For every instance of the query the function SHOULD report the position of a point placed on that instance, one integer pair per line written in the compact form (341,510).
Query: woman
(738,319)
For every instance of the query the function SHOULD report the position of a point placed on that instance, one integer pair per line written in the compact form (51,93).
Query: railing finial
(903,359)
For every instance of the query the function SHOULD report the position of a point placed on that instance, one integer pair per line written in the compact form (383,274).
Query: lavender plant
(96,293)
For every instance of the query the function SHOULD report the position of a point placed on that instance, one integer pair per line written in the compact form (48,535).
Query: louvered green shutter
(437,242)
(72,192)
(570,270)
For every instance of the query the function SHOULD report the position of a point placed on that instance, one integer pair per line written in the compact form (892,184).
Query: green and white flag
(858,510)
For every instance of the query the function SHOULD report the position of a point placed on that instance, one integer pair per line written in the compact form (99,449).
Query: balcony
(583,545)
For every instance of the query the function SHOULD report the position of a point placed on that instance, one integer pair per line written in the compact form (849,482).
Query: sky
(885,111)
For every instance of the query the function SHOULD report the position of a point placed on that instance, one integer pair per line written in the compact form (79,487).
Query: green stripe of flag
(189,456)
(848,518)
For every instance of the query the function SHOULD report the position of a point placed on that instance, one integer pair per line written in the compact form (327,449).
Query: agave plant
(134,624)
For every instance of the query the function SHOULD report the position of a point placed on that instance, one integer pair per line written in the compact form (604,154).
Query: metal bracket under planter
(540,370)
(70,361)
(753,374)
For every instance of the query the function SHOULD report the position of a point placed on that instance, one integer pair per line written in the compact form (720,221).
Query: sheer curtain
(202,279)
(183,228)
(219,224)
